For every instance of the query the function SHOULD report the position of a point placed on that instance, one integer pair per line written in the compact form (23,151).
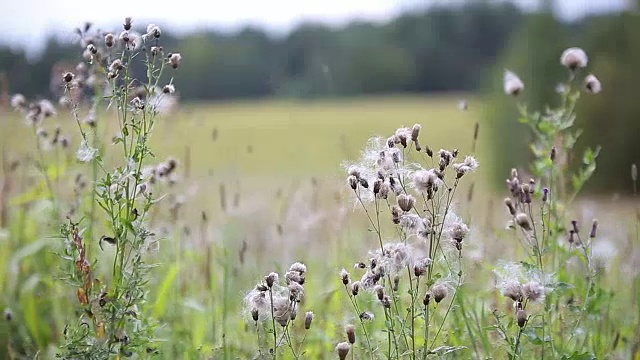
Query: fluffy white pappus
(573,58)
(512,83)
(396,257)
(519,283)
(422,179)
(469,164)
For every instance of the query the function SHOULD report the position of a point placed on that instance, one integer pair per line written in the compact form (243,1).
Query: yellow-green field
(261,185)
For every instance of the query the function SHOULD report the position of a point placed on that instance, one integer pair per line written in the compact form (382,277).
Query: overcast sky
(29,22)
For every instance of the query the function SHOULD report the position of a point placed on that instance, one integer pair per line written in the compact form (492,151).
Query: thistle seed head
(594,229)
(175,59)
(406,202)
(522,220)
(439,292)
(271,279)
(345,277)
(512,83)
(592,84)
(109,40)
(574,58)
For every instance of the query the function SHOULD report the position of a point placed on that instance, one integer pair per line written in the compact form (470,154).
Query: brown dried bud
(353,182)
(308,318)
(439,292)
(386,302)
(521,317)
(396,283)
(345,277)
(523,220)
(429,151)
(553,154)
(68,77)
(127,23)
(545,195)
(415,132)
(261,287)
(509,203)
(364,183)
(406,202)
(109,40)
(376,186)
(379,290)
(343,350)
(395,214)
(271,279)
(594,229)
(351,333)
(574,224)
(254,314)
(355,288)
(427,299)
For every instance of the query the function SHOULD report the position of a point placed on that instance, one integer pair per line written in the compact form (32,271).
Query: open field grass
(261,186)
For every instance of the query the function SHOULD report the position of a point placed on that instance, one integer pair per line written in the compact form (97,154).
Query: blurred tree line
(440,49)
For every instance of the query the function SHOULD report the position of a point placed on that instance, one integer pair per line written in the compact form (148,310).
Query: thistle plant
(538,210)
(273,309)
(415,277)
(111,318)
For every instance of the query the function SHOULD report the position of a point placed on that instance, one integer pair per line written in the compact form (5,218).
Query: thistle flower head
(109,40)
(169,89)
(439,292)
(345,277)
(394,258)
(574,58)
(425,180)
(406,202)
(282,310)
(518,283)
(523,221)
(469,164)
(415,132)
(298,267)
(175,59)
(153,31)
(18,102)
(86,153)
(512,83)
(455,228)
(271,279)
(350,330)
(308,319)
(592,85)
(343,350)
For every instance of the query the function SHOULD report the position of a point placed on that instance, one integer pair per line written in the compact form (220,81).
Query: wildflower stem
(354,302)
(426,332)
(455,293)
(273,323)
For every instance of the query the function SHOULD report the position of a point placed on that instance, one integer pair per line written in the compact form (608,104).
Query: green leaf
(578,356)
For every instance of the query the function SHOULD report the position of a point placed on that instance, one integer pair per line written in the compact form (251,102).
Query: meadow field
(361,228)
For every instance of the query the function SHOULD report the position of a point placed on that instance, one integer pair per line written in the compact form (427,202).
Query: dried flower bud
(391,141)
(553,154)
(571,237)
(156,50)
(415,132)
(367,315)
(175,59)
(92,49)
(592,85)
(509,203)
(351,333)
(308,318)
(376,186)
(594,229)
(271,279)
(353,182)
(439,292)
(379,290)
(343,350)
(386,302)
(545,195)
(262,287)
(396,283)
(429,151)
(395,214)
(109,40)
(127,23)
(345,277)
(521,317)
(355,288)
(254,314)
(68,77)
(363,183)
(574,225)
(427,299)
(169,89)
(523,220)
(406,202)
(512,83)
(8,315)
(573,58)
